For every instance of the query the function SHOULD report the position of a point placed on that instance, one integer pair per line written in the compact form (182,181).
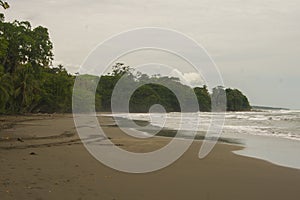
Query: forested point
(29,83)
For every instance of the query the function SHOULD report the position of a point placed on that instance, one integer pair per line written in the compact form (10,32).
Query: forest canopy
(29,83)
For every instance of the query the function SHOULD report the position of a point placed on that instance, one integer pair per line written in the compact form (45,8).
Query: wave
(280,123)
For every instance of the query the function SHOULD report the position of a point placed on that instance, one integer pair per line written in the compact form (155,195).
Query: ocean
(271,135)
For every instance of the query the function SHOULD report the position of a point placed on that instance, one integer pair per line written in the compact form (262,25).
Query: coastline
(273,141)
(278,151)
(51,162)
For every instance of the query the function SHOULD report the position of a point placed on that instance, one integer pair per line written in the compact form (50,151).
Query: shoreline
(9,121)
(171,133)
(281,151)
(61,168)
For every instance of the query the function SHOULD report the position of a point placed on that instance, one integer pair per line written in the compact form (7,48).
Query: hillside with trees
(29,83)
(236,101)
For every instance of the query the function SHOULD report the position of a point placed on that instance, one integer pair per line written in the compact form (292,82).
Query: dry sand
(41,157)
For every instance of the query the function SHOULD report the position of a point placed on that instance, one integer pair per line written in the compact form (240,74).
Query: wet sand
(43,158)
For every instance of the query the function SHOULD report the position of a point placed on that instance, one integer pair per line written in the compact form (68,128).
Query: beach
(42,157)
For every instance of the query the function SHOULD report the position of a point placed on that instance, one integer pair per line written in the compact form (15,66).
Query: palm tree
(4,4)
(27,91)
(5,90)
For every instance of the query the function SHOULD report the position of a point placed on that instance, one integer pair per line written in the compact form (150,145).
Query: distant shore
(41,157)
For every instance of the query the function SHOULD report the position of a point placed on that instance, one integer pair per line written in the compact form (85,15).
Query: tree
(4,4)
(143,98)
(5,89)
(85,92)
(203,97)
(108,82)
(28,83)
(218,99)
(236,100)
(56,89)
(24,45)
(27,90)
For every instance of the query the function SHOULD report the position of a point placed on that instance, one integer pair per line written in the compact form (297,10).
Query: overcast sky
(255,43)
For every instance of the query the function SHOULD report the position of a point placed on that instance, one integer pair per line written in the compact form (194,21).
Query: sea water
(270,135)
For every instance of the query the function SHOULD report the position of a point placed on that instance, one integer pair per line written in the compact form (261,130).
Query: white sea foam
(271,135)
(283,124)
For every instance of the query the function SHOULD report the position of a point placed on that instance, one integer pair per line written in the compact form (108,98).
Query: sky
(254,43)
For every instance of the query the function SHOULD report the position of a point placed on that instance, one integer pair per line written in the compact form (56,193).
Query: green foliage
(147,95)
(4,4)
(84,94)
(5,89)
(143,98)
(26,93)
(27,82)
(218,99)
(162,91)
(203,97)
(236,101)
(21,45)
(56,85)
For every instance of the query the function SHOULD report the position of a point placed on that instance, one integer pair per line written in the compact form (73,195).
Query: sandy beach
(41,157)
